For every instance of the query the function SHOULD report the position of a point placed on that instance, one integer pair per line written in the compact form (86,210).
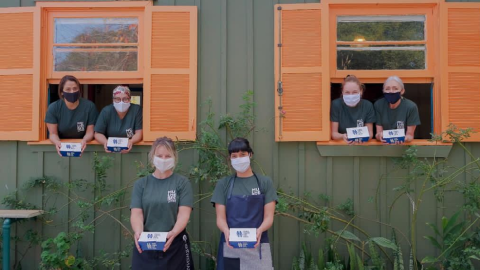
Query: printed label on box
(71,149)
(358,134)
(116,144)
(243,237)
(152,240)
(393,136)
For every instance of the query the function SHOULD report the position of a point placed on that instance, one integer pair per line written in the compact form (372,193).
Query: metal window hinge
(279,44)
(279,8)
(280,88)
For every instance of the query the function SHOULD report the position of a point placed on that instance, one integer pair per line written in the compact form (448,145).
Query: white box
(71,149)
(152,240)
(115,144)
(243,237)
(394,135)
(358,134)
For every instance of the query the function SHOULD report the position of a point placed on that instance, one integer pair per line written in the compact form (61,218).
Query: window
(431,45)
(95,44)
(381,42)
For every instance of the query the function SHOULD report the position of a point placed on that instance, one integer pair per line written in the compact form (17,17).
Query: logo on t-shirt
(400,125)
(129,133)
(360,123)
(172,196)
(80,127)
(255,191)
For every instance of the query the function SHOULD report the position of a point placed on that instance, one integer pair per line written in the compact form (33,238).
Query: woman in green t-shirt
(396,112)
(162,202)
(70,117)
(120,119)
(351,110)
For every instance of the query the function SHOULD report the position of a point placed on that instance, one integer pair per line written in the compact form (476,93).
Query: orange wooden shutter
(19,74)
(170,81)
(461,66)
(301,71)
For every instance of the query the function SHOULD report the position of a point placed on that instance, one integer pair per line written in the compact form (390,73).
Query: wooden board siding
(234,54)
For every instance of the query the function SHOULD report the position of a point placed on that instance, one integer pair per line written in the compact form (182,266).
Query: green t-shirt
(406,114)
(348,117)
(71,124)
(110,124)
(159,199)
(244,186)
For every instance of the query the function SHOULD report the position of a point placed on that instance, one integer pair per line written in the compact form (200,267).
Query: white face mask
(351,100)
(163,164)
(121,106)
(241,164)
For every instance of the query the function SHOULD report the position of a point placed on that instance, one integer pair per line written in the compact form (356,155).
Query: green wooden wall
(235,53)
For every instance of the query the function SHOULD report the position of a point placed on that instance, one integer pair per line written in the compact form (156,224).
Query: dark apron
(243,211)
(177,257)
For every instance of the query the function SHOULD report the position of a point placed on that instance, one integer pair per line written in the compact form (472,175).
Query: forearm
(100,138)
(137,137)
(182,221)
(266,224)
(54,138)
(89,135)
(136,220)
(337,136)
(269,212)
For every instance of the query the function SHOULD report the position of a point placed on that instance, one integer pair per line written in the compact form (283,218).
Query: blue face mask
(392,98)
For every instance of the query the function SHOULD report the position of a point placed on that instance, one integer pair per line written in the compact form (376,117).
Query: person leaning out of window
(394,111)
(120,119)
(70,117)
(351,110)
(162,202)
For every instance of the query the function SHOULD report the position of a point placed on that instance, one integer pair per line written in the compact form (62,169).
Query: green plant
(455,243)
(56,253)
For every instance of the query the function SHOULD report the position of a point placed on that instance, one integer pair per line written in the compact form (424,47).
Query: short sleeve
(51,116)
(92,115)
(137,194)
(334,112)
(219,195)
(139,119)
(101,125)
(186,194)
(371,117)
(270,191)
(378,115)
(413,118)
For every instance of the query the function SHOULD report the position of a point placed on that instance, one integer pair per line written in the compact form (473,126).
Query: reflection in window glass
(96,30)
(380,28)
(380,59)
(381,42)
(95,58)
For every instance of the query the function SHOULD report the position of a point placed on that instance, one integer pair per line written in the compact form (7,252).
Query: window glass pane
(120,58)
(379,58)
(96,30)
(380,28)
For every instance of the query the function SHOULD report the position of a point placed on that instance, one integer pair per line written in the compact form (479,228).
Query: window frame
(112,13)
(384,9)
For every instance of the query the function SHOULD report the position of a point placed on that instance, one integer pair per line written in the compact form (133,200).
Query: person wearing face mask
(162,202)
(120,119)
(351,110)
(394,111)
(244,200)
(70,117)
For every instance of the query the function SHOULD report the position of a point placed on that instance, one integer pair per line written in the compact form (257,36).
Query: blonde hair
(168,144)
(396,79)
(353,79)
(121,89)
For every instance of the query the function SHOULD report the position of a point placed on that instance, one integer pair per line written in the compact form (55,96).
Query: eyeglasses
(125,99)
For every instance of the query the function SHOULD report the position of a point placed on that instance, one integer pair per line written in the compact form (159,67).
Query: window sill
(47,146)
(374,148)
